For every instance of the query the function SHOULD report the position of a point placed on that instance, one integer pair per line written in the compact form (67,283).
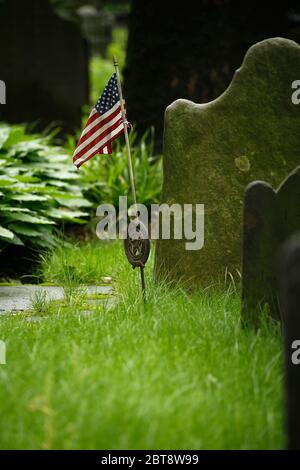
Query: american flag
(105,123)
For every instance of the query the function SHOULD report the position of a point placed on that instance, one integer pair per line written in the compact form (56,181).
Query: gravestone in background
(44,63)
(212,151)
(289,286)
(270,218)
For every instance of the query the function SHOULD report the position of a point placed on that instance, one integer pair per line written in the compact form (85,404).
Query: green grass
(85,263)
(180,373)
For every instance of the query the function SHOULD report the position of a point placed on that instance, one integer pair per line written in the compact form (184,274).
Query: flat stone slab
(19,298)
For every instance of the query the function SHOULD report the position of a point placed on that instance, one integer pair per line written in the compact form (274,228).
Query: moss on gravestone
(213,151)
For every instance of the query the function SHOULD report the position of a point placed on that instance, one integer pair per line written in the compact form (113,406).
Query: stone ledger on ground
(213,150)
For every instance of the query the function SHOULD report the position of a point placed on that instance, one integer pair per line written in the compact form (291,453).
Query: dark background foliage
(192,50)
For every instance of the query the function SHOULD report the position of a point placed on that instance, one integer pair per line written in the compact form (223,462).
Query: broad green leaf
(26,229)
(27,179)
(60,184)
(17,134)
(22,217)
(74,202)
(4,134)
(29,146)
(29,197)
(65,214)
(6,181)
(17,241)
(66,195)
(63,175)
(5,233)
(58,158)
(4,208)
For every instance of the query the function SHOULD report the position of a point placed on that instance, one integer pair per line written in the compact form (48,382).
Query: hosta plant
(39,189)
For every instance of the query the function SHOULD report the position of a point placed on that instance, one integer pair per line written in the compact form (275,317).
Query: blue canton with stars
(109,97)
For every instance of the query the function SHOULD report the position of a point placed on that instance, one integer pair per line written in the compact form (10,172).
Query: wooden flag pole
(125,123)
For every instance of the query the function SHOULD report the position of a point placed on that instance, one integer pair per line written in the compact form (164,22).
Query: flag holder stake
(130,167)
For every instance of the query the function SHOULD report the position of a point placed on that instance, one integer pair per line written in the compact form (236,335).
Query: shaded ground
(19,261)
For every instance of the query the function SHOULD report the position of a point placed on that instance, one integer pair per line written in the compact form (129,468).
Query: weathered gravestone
(270,218)
(44,64)
(289,286)
(212,151)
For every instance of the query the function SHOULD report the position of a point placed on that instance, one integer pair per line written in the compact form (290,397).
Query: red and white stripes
(99,132)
